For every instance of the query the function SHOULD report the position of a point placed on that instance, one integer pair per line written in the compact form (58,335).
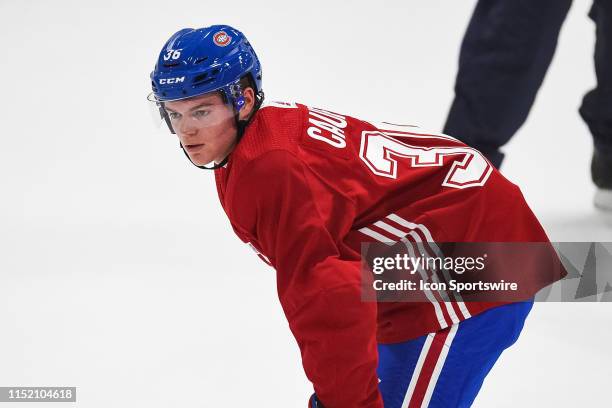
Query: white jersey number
(379,151)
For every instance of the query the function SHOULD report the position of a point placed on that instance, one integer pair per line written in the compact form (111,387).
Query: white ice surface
(119,273)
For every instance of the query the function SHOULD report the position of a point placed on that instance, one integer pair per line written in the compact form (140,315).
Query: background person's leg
(505,54)
(596,109)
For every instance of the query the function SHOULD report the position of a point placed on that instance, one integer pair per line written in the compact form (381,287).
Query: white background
(119,273)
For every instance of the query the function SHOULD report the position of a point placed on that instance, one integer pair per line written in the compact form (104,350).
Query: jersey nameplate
(327,127)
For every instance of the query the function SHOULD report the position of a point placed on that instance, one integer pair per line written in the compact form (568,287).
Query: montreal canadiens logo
(221,38)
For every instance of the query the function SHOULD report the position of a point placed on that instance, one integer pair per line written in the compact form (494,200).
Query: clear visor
(155,109)
(190,114)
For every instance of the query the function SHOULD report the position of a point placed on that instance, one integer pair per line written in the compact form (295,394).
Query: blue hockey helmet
(198,61)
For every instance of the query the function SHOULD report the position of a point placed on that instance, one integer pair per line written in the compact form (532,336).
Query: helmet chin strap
(240,129)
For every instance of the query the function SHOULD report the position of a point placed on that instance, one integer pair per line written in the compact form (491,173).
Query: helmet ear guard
(237,96)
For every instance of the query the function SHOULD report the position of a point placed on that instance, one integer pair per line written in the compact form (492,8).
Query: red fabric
(300,201)
(429,365)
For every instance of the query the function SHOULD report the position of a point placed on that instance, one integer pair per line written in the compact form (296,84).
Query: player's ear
(249,103)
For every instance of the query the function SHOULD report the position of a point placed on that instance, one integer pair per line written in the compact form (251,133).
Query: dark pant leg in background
(505,54)
(596,109)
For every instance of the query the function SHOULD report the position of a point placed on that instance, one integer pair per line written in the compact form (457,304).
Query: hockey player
(304,187)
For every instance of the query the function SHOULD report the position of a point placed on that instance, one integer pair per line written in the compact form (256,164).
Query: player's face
(205,126)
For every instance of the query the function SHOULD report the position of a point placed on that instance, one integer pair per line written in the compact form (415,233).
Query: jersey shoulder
(276,125)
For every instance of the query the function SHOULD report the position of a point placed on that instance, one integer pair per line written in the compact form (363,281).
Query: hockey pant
(447,368)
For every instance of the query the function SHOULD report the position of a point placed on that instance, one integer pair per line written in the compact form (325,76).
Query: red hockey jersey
(305,186)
